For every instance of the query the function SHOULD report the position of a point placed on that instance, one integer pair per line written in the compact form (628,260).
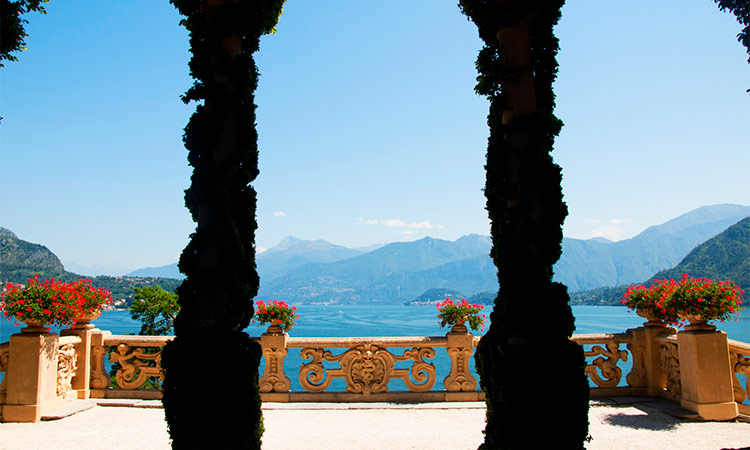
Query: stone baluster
(647,377)
(460,348)
(706,374)
(99,378)
(274,350)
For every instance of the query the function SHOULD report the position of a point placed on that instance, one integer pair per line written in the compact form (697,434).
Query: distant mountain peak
(4,232)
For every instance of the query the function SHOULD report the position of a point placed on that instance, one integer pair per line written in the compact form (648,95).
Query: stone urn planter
(650,315)
(697,322)
(84,322)
(34,327)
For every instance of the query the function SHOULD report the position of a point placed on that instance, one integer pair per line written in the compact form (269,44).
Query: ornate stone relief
(669,357)
(740,364)
(4,354)
(136,365)
(606,364)
(367,369)
(66,368)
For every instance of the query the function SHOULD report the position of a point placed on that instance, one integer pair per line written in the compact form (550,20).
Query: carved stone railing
(689,367)
(603,370)
(739,356)
(669,363)
(367,365)
(138,360)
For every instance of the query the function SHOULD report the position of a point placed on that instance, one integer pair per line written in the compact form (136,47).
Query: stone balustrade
(657,361)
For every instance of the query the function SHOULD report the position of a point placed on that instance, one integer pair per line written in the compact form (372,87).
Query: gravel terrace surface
(456,426)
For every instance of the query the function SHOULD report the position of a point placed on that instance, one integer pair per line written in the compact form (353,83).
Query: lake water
(398,320)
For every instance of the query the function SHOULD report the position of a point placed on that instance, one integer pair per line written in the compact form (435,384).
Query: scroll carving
(606,364)
(137,366)
(367,369)
(273,379)
(740,364)
(669,358)
(4,354)
(100,379)
(637,376)
(66,368)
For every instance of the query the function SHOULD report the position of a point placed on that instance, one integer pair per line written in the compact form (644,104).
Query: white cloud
(279,214)
(611,230)
(398,223)
(259,250)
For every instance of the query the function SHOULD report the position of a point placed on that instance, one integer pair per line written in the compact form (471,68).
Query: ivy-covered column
(211,397)
(526,362)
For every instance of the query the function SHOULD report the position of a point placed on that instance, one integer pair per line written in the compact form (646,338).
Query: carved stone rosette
(740,364)
(66,368)
(669,356)
(606,364)
(136,365)
(367,369)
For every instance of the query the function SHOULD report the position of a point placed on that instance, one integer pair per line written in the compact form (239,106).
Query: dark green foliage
(156,309)
(741,10)
(12,32)
(723,257)
(531,320)
(436,295)
(214,401)
(482,298)
(219,261)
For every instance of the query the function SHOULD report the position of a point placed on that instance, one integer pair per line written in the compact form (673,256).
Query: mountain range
(725,256)
(318,271)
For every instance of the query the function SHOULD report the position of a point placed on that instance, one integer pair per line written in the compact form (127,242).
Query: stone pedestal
(706,374)
(460,348)
(274,351)
(81,382)
(31,377)
(647,377)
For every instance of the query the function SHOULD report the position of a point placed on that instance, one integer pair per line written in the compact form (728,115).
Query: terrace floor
(622,423)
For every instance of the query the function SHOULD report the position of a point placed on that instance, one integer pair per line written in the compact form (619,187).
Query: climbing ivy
(212,363)
(526,359)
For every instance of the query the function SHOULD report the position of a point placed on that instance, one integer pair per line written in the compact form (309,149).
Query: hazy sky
(369,127)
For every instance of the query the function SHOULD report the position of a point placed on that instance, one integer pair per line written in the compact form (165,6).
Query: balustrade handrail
(385,341)
(600,338)
(738,346)
(144,341)
(68,340)
(667,338)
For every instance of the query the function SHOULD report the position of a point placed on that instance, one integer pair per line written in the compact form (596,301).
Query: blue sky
(369,127)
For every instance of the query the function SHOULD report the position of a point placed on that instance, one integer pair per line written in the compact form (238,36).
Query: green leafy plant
(711,300)
(156,309)
(52,302)
(276,312)
(451,314)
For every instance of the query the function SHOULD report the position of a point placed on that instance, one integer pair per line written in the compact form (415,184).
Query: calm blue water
(397,320)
